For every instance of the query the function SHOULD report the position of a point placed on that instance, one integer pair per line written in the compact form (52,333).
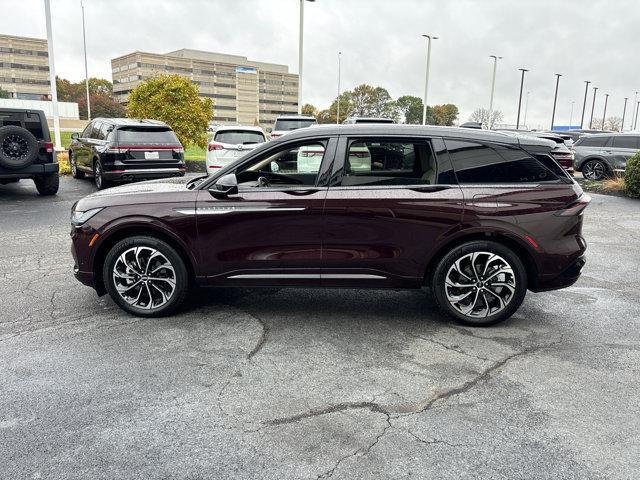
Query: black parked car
(123,149)
(26,150)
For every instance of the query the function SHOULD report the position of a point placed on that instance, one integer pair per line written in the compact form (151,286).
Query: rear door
(623,147)
(390,202)
(148,146)
(84,156)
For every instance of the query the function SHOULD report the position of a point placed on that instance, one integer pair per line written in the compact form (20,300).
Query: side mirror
(75,136)
(269,129)
(225,186)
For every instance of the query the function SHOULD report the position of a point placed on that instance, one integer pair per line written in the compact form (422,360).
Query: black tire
(47,183)
(75,173)
(595,170)
(98,178)
(482,283)
(181,277)
(18,147)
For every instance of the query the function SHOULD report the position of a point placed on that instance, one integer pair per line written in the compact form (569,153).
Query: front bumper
(30,171)
(143,173)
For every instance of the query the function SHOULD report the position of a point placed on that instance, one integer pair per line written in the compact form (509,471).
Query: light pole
(523,70)
(593,106)
(555,99)
(300,50)
(584,103)
(624,112)
(633,113)
(571,114)
(86,74)
(426,79)
(604,113)
(338,108)
(493,87)
(52,76)
(526,108)
(635,122)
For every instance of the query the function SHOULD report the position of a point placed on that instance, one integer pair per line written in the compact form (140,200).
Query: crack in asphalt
(452,348)
(435,441)
(261,340)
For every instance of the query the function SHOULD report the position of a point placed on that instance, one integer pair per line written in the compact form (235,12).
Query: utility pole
(624,112)
(584,103)
(526,108)
(604,113)
(52,76)
(86,70)
(635,122)
(338,107)
(493,88)
(555,99)
(571,114)
(426,79)
(300,52)
(523,70)
(593,106)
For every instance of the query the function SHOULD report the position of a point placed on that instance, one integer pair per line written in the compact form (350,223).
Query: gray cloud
(380,39)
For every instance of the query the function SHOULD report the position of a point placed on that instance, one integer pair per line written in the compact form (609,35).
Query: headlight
(78,218)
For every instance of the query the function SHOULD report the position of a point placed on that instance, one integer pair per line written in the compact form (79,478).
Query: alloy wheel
(97,175)
(480,284)
(144,277)
(74,167)
(15,146)
(594,170)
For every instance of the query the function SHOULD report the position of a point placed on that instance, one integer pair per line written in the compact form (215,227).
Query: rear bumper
(30,171)
(568,277)
(143,173)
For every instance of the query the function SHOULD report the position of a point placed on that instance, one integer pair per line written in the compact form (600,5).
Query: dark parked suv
(124,149)
(26,150)
(599,156)
(479,217)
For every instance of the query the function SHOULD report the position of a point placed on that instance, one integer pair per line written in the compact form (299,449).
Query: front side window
(389,162)
(291,166)
(476,163)
(625,141)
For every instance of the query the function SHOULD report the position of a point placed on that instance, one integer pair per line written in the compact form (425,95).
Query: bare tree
(612,123)
(481,115)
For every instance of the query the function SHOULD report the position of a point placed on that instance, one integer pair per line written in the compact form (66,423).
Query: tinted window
(385,162)
(239,137)
(373,120)
(86,133)
(95,130)
(136,135)
(625,141)
(293,124)
(590,141)
(478,163)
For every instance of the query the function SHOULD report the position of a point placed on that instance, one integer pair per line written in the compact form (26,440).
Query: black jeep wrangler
(26,150)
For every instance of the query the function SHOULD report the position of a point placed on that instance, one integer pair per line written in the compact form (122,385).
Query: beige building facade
(243,91)
(24,67)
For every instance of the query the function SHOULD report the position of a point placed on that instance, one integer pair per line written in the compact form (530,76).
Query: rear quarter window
(625,141)
(590,141)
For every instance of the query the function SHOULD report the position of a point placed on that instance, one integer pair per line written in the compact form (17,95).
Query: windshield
(293,124)
(147,135)
(239,137)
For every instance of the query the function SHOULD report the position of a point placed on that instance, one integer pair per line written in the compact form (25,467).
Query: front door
(390,201)
(270,232)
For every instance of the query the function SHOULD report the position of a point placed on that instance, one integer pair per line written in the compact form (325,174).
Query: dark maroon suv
(479,217)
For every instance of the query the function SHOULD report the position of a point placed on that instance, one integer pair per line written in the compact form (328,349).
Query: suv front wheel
(479,283)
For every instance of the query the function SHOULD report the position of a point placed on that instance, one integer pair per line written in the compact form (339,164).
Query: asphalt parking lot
(286,384)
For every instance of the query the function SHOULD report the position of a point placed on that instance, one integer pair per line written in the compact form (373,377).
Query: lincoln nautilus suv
(477,217)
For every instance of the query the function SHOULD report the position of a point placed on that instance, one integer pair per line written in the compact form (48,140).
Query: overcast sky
(597,40)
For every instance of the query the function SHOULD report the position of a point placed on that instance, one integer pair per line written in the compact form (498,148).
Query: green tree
(99,85)
(368,101)
(632,177)
(445,114)
(174,100)
(410,108)
(68,91)
(309,110)
(329,115)
(4,93)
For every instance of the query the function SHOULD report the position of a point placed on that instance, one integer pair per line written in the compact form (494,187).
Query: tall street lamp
(526,108)
(635,122)
(624,112)
(300,49)
(338,108)
(52,76)
(86,74)
(555,99)
(493,86)
(426,79)
(604,113)
(584,103)
(571,114)
(633,112)
(523,70)
(593,106)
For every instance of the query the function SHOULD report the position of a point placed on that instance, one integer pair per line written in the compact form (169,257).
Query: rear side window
(146,135)
(476,163)
(590,141)
(625,141)
(293,124)
(388,162)
(239,137)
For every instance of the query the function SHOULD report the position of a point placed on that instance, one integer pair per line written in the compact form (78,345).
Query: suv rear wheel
(98,179)
(75,173)
(47,183)
(146,276)
(479,283)
(595,170)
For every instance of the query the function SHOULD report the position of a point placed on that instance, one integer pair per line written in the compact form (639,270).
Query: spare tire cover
(18,147)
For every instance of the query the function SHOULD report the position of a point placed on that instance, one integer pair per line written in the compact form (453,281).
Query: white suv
(230,143)
(288,123)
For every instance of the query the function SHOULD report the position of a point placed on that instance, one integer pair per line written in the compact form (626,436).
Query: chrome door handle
(301,193)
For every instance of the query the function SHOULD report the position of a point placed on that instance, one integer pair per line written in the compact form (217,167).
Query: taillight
(48,147)
(215,146)
(575,208)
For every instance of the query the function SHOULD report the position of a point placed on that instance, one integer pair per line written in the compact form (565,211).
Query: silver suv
(599,156)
